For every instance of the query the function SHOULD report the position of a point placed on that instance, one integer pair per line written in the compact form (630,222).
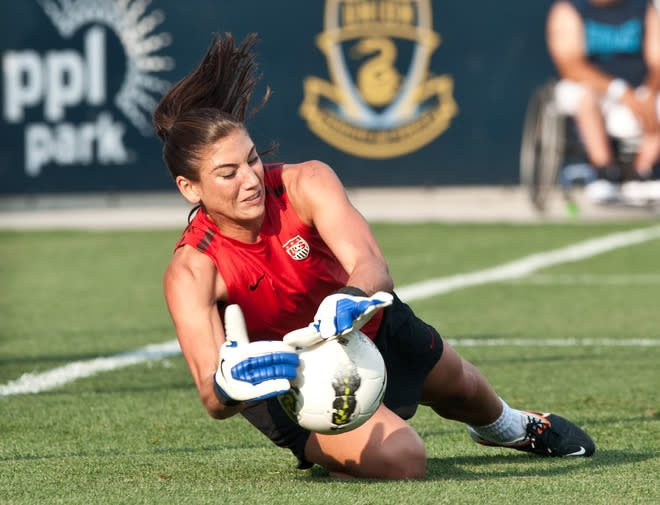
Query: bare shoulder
(562,7)
(294,174)
(562,12)
(652,14)
(308,184)
(564,33)
(187,261)
(191,271)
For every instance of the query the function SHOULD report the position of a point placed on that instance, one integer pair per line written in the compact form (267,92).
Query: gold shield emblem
(376,110)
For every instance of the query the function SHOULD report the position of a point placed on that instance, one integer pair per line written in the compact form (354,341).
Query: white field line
(35,383)
(553,342)
(528,265)
(588,280)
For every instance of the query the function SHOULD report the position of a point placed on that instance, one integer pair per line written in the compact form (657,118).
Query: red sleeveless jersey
(280,280)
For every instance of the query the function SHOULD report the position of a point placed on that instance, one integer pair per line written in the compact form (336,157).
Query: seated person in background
(607,55)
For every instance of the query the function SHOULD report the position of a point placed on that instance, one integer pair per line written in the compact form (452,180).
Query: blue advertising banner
(388,92)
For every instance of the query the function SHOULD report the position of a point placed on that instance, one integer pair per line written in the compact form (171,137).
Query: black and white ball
(340,384)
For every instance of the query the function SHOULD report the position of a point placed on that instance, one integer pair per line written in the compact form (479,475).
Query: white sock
(508,428)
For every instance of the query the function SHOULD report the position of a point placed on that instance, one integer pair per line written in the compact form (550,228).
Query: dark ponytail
(208,104)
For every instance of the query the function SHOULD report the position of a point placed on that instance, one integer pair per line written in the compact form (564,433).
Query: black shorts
(410,349)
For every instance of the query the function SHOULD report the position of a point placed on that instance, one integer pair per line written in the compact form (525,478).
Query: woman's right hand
(251,371)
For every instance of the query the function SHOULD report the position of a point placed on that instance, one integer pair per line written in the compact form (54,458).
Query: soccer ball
(340,384)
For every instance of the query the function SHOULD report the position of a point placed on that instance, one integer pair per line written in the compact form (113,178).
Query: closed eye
(253,157)
(229,175)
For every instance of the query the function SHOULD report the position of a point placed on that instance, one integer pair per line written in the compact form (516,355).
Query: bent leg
(455,389)
(385,447)
(648,154)
(591,125)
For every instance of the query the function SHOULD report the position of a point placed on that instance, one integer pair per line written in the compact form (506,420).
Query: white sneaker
(640,193)
(602,191)
(635,193)
(653,190)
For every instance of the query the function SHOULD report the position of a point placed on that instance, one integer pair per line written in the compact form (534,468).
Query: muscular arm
(320,200)
(652,49)
(192,288)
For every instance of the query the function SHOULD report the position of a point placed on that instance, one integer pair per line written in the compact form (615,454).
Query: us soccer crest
(297,248)
(381,100)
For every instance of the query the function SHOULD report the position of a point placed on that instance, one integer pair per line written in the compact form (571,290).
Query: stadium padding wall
(81,76)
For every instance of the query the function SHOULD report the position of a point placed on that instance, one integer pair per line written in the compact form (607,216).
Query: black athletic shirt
(615,37)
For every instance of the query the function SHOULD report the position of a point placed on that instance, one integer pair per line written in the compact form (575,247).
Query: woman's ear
(188,189)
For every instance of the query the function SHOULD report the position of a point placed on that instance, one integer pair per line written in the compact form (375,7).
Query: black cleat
(547,435)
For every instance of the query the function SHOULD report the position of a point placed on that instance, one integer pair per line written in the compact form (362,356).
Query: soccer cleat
(547,435)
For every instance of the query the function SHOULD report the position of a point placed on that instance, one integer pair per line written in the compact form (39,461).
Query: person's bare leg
(455,389)
(591,126)
(648,154)
(385,447)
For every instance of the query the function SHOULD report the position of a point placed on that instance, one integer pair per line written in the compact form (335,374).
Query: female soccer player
(283,242)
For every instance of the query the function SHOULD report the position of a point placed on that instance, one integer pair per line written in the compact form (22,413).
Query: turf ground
(579,338)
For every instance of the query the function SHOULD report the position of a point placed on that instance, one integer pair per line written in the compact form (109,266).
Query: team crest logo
(297,248)
(381,101)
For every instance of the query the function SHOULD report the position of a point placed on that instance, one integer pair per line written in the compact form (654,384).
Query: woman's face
(231,183)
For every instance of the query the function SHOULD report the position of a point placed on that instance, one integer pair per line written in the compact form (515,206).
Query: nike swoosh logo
(577,453)
(256,284)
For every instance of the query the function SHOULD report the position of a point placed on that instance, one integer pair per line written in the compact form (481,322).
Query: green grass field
(139,435)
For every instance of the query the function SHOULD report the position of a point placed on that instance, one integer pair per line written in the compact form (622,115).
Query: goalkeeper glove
(251,371)
(339,314)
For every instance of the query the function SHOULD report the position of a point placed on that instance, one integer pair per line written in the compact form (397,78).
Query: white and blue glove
(251,371)
(339,314)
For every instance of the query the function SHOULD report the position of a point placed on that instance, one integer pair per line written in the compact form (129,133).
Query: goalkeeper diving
(283,242)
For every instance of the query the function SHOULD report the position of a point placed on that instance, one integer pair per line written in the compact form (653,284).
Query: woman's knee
(386,447)
(401,455)
(404,459)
